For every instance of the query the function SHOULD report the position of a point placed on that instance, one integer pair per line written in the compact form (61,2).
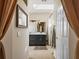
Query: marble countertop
(38,33)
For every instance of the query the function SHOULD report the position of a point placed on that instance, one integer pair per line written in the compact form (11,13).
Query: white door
(61,35)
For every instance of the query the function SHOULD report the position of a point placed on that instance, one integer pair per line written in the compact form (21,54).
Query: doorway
(48,30)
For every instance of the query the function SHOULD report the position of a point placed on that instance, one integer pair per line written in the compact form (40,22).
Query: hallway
(40,52)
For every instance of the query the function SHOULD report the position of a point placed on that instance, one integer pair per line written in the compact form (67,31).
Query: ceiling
(32,4)
(39,16)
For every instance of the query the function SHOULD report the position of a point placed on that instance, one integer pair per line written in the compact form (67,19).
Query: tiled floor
(41,53)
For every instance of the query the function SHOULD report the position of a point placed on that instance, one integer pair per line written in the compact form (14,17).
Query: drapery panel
(71,8)
(71,14)
(2,52)
(6,12)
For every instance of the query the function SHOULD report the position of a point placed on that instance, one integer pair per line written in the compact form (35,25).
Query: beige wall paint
(72,43)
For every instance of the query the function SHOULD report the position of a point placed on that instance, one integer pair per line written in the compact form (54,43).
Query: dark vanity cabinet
(37,40)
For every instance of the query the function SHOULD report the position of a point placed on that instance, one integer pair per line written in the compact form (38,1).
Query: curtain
(71,8)
(6,12)
(2,52)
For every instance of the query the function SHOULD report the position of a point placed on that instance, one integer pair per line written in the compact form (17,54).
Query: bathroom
(42,34)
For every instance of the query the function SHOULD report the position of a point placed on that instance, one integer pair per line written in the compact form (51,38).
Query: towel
(2,52)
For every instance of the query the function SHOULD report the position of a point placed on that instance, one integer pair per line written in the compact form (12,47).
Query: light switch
(18,34)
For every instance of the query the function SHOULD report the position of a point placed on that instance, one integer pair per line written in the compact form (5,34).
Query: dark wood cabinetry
(37,40)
